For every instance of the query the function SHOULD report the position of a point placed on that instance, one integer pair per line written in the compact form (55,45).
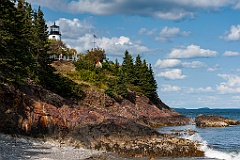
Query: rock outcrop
(214,121)
(95,122)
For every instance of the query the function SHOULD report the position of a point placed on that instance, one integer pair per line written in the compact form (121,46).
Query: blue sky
(193,45)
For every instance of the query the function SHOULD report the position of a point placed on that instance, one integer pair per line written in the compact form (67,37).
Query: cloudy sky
(193,45)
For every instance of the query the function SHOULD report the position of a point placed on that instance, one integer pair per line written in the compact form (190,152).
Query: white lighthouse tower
(54,32)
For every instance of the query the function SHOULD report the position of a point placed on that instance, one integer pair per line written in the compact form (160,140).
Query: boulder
(214,121)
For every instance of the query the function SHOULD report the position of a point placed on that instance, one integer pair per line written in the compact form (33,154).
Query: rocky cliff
(96,122)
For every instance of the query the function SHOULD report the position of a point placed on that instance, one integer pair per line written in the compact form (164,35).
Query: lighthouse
(54,32)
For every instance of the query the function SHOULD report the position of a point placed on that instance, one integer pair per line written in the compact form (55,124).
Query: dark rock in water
(214,121)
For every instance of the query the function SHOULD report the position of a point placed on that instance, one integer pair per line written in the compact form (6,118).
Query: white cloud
(170,9)
(72,29)
(168,33)
(78,34)
(169,88)
(200,90)
(206,3)
(194,64)
(232,84)
(168,63)
(173,74)
(118,45)
(213,68)
(174,14)
(231,54)
(144,31)
(171,63)
(113,46)
(191,51)
(233,34)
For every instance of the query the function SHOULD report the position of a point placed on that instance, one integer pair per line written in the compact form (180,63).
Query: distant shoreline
(204,108)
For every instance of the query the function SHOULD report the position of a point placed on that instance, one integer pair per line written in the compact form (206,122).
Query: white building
(54,32)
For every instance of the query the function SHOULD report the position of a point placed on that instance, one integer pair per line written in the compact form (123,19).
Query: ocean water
(217,143)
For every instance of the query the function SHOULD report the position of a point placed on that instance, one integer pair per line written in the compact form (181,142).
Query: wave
(212,153)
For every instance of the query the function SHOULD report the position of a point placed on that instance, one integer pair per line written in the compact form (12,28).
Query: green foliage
(15,53)
(118,80)
(138,70)
(116,86)
(128,68)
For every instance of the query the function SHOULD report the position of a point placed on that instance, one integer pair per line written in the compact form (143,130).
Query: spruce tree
(128,68)
(15,56)
(138,70)
(25,15)
(121,87)
(147,82)
(152,90)
(7,21)
(40,39)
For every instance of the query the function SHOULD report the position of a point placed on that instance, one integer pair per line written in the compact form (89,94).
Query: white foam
(211,153)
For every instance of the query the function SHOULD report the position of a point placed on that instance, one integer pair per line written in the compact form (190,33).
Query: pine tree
(128,68)
(152,90)
(7,18)
(147,81)
(15,55)
(25,15)
(138,69)
(121,87)
(40,39)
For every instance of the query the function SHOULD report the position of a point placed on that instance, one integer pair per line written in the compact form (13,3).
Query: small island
(204,108)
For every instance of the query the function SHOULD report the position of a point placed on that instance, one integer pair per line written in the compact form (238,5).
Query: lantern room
(54,32)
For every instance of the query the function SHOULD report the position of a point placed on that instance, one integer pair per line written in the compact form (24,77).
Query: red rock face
(97,122)
(34,109)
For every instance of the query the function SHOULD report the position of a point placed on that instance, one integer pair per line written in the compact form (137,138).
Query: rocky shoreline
(97,122)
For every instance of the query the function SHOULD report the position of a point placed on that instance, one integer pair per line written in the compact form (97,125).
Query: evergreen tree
(152,90)
(7,18)
(128,68)
(15,56)
(40,39)
(147,82)
(138,69)
(7,22)
(120,87)
(25,15)
(144,77)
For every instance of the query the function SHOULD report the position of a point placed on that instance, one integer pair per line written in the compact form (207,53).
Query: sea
(221,143)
